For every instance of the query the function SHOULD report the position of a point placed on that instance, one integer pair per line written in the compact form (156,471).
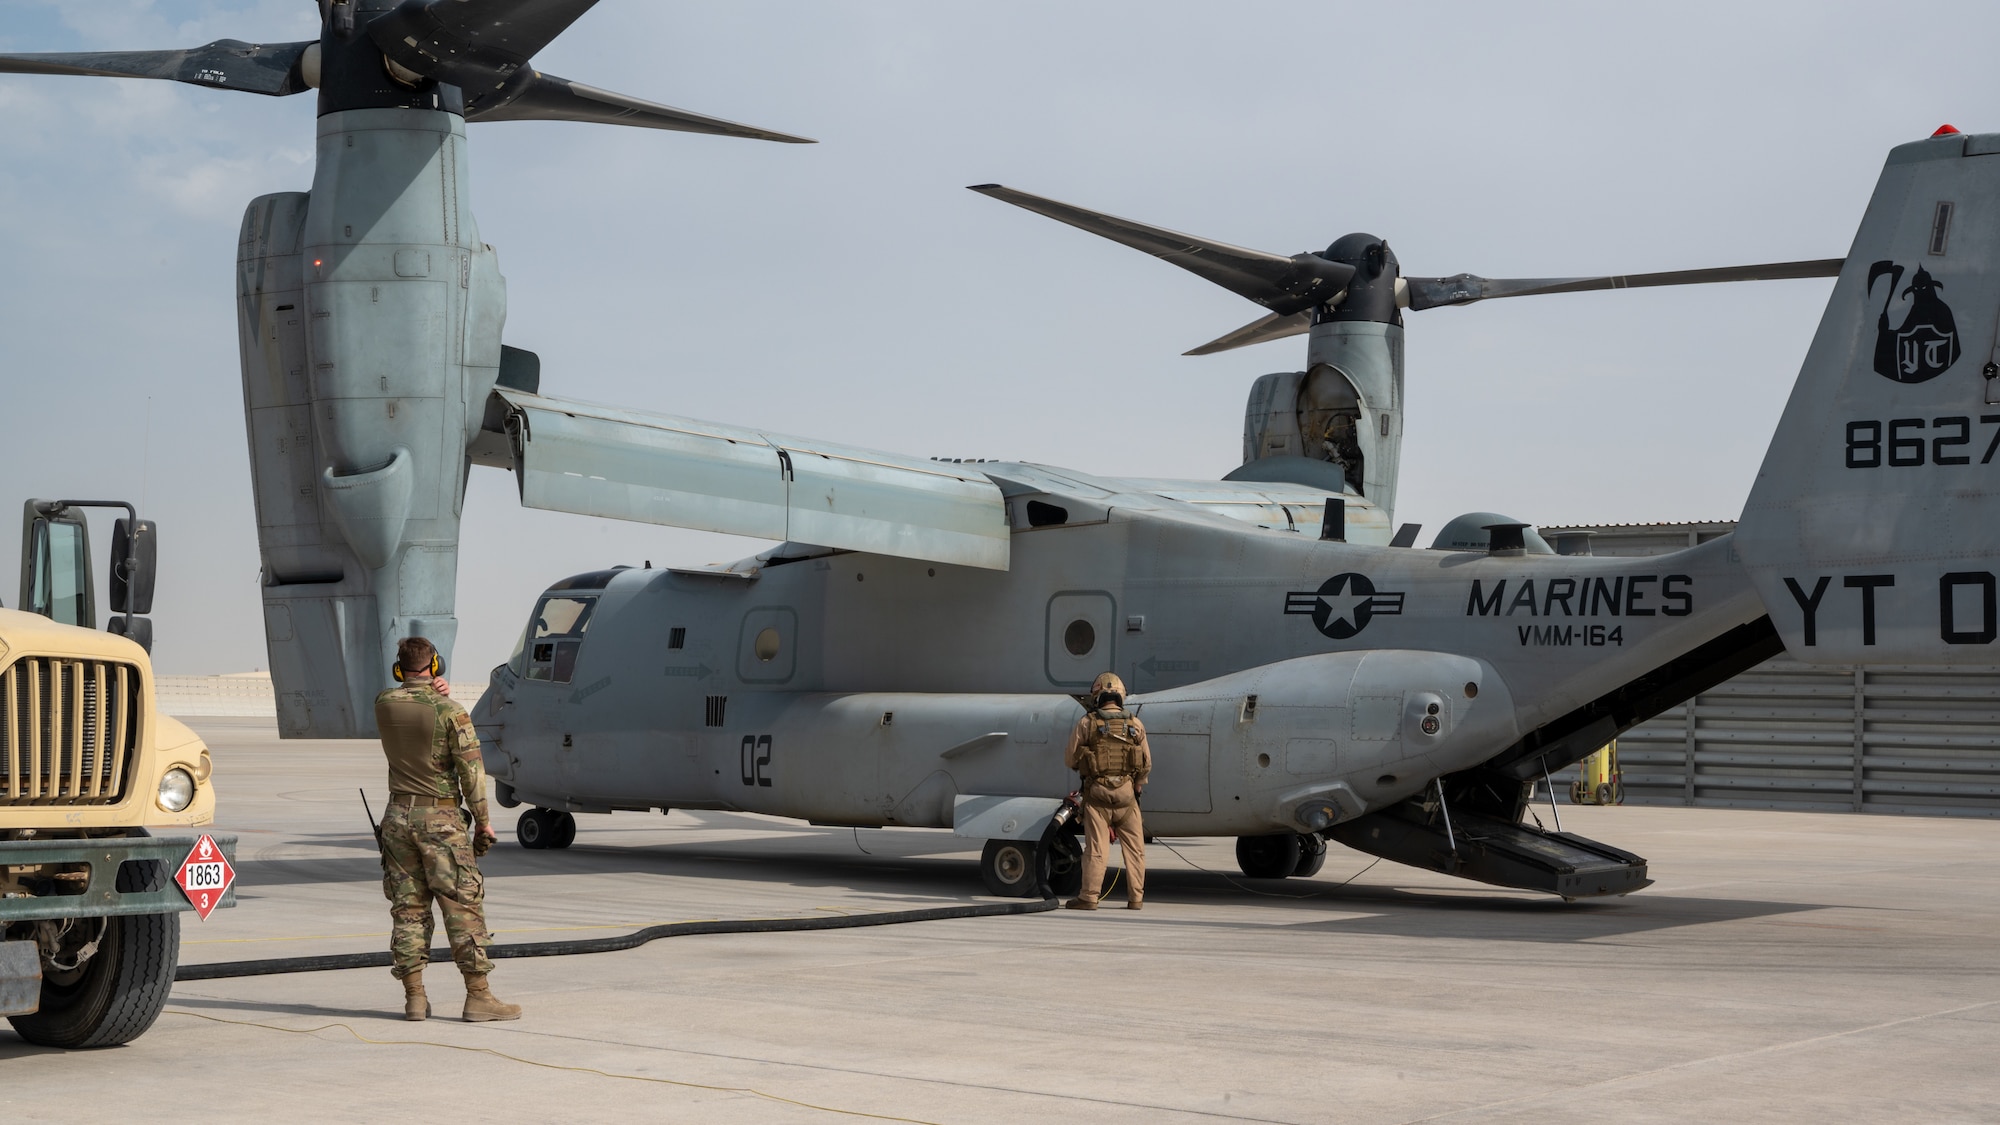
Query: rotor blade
(1281,284)
(474,44)
(548,98)
(1277,326)
(229,64)
(1430,292)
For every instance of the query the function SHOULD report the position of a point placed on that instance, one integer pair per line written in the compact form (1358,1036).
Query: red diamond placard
(204,876)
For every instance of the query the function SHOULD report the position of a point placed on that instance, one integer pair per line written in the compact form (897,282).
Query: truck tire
(121,990)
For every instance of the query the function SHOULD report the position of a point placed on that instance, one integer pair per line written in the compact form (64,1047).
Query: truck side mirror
(135,554)
(140,631)
(55,564)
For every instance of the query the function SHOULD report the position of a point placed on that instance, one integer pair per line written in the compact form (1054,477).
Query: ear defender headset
(436,669)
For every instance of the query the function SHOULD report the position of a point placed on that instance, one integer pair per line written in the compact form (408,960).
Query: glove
(481,844)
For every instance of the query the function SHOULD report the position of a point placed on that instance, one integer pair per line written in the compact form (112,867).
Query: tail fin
(1873,530)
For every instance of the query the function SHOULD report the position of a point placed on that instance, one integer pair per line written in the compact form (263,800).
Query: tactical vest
(1110,749)
(413,723)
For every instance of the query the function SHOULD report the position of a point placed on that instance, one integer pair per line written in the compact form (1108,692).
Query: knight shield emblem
(1925,345)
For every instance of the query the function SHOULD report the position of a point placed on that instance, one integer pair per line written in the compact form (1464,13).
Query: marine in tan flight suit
(427,857)
(1108,751)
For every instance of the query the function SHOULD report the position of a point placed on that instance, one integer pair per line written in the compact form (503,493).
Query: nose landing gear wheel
(545,828)
(533,829)
(562,828)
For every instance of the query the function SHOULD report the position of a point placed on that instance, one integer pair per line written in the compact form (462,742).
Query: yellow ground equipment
(1600,782)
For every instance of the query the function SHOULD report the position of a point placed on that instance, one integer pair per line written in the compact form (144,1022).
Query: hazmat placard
(205,876)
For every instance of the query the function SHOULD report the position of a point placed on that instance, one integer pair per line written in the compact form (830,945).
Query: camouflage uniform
(1107,749)
(427,854)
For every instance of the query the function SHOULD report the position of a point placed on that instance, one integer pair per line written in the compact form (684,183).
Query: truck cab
(89,769)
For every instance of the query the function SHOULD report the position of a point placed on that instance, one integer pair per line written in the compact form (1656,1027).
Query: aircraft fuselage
(1271,668)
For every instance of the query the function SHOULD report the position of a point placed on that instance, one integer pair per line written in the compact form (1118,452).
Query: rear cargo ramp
(1497,852)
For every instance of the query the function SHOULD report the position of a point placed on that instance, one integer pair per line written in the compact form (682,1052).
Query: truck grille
(69,730)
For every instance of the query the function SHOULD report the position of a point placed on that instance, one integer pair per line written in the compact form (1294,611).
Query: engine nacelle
(1336,425)
(370,320)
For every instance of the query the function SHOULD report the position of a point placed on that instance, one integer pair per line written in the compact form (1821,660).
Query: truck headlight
(176,790)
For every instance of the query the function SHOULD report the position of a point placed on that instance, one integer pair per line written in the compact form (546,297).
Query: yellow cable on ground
(546,1065)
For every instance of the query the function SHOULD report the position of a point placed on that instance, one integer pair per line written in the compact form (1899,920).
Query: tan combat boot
(481,1005)
(416,1006)
(1080,904)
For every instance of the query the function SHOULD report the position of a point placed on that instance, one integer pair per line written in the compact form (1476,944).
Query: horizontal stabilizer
(655,468)
(226,64)
(548,98)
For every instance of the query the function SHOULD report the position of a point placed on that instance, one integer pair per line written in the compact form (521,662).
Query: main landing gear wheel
(1268,857)
(1013,868)
(545,828)
(1065,858)
(1312,857)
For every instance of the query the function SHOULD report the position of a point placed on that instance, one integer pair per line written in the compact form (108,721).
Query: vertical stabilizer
(1873,529)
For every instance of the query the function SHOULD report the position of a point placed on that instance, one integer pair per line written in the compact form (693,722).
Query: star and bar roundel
(1343,605)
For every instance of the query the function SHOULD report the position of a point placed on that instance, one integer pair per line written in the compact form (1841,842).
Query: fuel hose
(633,940)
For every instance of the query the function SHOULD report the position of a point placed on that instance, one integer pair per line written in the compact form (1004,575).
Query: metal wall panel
(1786,735)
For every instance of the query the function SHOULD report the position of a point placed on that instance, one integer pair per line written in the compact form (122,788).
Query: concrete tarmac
(1784,967)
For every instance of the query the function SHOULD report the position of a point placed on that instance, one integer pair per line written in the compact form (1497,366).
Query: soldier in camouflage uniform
(1108,751)
(434,761)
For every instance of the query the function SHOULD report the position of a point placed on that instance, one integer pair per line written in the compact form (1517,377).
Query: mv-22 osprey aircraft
(910,653)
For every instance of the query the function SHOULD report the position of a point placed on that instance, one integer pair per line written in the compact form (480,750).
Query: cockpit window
(554,636)
(561,615)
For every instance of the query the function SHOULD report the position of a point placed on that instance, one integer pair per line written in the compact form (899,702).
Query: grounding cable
(381,959)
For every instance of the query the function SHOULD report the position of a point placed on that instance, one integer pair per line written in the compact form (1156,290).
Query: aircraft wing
(596,460)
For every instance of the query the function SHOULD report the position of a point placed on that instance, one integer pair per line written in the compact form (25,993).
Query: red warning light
(1946,131)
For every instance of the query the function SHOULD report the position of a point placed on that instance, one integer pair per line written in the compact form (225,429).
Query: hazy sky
(854,290)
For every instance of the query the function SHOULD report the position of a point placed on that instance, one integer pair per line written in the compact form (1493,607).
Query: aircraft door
(1178,736)
(1080,641)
